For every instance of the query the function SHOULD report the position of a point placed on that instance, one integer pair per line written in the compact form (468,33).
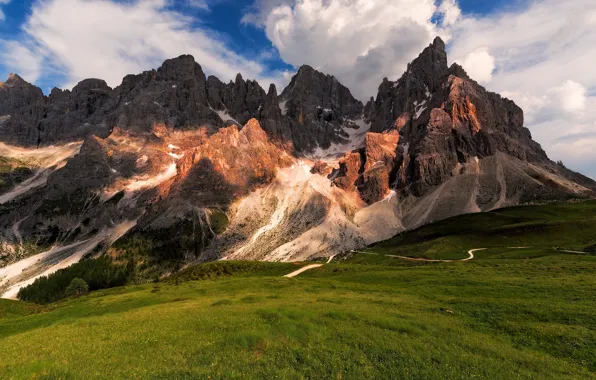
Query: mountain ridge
(182,167)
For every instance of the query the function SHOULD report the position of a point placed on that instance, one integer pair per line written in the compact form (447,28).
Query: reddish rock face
(322,168)
(381,148)
(446,120)
(368,173)
(227,164)
(349,171)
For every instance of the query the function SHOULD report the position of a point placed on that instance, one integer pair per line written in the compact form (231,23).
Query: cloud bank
(108,39)
(359,41)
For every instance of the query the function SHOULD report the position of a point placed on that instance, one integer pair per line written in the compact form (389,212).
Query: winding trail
(308,267)
(470,256)
(566,251)
(303,269)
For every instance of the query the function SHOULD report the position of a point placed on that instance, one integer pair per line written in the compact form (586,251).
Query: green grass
(497,318)
(508,314)
(571,226)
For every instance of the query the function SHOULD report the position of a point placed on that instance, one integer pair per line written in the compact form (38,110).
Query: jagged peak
(458,71)
(305,69)
(92,84)
(432,61)
(182,60)
(309,71)
(272,90)
(180,66)
(213,78)
(15,79)
(438,44)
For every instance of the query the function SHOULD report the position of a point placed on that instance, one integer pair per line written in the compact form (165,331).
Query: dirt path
(308,267)
(470,257)
(302,270)
(566,251)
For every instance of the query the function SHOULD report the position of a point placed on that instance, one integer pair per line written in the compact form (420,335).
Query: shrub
(77,288)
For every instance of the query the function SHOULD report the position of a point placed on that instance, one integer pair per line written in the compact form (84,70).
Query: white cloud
(450,11)
(21,59)
(200,4)
(571,95)
(359,41)
(108,39)
(479,64)
(2,15)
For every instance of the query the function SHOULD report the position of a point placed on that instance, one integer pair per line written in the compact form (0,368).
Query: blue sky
(539,53)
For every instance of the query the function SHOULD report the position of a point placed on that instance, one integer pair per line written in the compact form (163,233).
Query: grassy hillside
(509,313)
(569,226)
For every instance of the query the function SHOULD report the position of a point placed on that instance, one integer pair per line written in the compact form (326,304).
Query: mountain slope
(495,317)
(461,149)
(182,167)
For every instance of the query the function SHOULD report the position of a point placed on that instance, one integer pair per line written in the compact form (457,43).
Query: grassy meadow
(508,314)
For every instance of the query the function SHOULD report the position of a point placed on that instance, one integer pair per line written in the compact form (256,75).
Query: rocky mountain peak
(182,67)
(318,107)
(15,79)
(92,84)
(165,149)
(458,71)
(272,93)
(431,64)
(438,43)
(15,82)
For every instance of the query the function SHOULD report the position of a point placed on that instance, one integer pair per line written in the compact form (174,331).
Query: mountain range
(176,167)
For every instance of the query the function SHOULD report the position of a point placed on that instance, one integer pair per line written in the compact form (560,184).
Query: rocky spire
(271,108)
(431,65)
(318,106)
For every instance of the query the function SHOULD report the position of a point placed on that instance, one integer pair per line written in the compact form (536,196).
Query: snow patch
(406,147)
(356,140)
(144,182)
(225,116)
(420,110)
(283,106)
